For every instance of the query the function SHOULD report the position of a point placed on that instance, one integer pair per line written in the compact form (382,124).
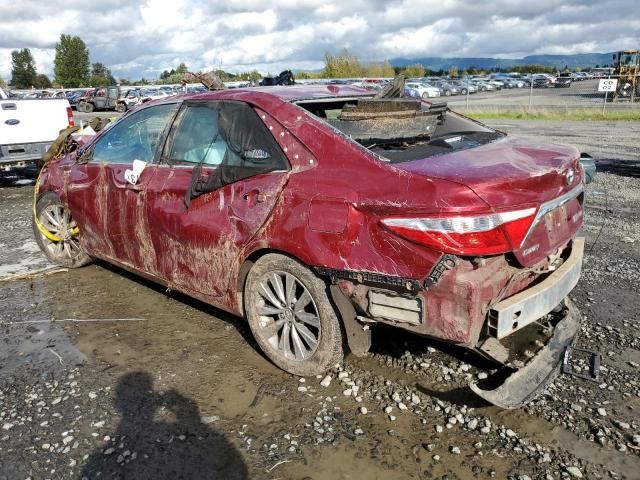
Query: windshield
(629,58)
(401,129)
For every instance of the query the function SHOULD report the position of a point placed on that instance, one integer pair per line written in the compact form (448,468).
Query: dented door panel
(201,245)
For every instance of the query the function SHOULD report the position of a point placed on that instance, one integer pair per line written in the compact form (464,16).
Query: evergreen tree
(101,75)
(23,69)
(42,81)
(71,64)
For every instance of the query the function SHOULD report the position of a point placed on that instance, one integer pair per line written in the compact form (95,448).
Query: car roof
(291,93)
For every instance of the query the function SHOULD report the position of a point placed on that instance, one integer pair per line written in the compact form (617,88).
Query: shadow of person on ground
(161,437)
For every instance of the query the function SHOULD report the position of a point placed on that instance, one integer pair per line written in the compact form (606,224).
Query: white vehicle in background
(28,127)
(423,90)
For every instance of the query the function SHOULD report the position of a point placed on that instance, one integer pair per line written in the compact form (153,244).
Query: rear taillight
(70,117)
(467,235)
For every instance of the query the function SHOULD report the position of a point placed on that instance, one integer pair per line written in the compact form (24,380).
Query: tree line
(347,65)
(71,67)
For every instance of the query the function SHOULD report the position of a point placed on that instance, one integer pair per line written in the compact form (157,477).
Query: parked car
(290,207)
(28,127)
(424,90)
(464,85)
(512,82)
(483,86)
(563,80)
(74,96)
(446,88)
(541,81)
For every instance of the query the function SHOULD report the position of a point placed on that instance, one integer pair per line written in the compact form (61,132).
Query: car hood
(507,172)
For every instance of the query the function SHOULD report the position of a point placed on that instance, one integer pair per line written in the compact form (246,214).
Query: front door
(227,144)
(118,213)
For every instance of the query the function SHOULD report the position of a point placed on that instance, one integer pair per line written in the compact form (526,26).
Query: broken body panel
(328,211)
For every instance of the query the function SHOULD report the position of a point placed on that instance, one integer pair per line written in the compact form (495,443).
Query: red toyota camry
(318,212)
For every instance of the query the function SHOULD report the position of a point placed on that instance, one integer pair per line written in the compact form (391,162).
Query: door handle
(254,196)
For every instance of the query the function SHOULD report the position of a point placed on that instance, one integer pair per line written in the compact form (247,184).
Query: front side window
(135,137)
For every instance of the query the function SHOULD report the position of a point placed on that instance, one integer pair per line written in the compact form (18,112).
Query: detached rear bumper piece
(526,307)
(524,384)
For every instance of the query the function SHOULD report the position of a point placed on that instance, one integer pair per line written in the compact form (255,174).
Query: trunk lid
(513,173)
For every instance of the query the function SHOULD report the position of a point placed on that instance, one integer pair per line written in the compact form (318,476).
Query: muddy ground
(105,375)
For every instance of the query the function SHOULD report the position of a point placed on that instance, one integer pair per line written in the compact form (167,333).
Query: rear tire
(54,216)
(121,108)
(291,316)
(88,107)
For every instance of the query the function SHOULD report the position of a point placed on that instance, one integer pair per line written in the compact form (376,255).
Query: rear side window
(226,135)
(197,137)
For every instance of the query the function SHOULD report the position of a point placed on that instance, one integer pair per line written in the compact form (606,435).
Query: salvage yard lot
(164,386)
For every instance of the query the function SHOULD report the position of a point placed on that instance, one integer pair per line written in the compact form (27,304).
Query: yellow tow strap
(45,232)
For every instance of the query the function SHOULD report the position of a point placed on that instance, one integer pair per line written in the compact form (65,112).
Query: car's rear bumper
(21,154)
(525,383)
(526,307)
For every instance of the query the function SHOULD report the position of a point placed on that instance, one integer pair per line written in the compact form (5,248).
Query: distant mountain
(582,60)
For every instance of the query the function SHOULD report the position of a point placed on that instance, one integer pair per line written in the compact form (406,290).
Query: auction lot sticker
(608,85)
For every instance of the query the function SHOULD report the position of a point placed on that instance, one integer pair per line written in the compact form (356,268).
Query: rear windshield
(401,129)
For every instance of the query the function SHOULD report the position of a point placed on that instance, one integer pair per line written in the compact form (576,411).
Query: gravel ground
(105,375)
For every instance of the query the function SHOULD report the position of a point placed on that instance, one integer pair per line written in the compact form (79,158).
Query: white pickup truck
(28,127)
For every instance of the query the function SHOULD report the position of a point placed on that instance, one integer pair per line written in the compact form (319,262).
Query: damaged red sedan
(318,212)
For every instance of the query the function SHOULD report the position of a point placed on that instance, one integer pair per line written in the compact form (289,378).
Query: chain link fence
(566,92)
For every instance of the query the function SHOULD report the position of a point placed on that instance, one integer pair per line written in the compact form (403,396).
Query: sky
(138,39)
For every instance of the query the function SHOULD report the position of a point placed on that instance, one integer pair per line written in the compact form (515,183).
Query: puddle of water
(23,266)
(29,247)
(41,346)
(336,464)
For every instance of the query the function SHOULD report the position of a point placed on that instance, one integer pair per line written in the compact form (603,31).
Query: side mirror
(589,166)
(83,155)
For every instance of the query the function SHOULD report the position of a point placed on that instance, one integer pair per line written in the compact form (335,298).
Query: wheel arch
(248,262)
(357,340)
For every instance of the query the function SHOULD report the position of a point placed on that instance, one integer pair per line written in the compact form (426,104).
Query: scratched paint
(201,250)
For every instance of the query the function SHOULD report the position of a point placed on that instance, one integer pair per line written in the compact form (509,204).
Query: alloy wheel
(56,219)
(288,316)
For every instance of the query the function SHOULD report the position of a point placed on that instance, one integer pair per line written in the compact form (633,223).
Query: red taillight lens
(477,235)
(70,117)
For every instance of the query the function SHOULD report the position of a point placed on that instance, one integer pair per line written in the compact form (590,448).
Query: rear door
(223,153)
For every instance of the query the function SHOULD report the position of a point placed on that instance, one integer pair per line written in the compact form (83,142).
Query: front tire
(55,218)
(291,316)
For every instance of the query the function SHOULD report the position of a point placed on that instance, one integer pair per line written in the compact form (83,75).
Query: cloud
(143,38)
